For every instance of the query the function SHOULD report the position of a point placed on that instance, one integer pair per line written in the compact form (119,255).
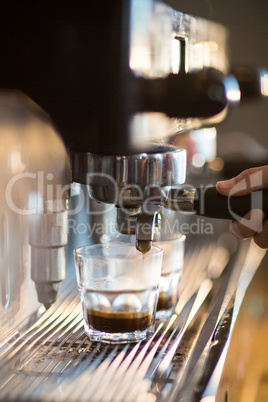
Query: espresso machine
(94,97)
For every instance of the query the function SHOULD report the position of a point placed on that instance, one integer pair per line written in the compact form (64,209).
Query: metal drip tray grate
(51,359)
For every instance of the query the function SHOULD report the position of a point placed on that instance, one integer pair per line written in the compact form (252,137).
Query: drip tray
(51,358)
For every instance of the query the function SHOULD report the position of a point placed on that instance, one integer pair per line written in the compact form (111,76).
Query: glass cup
(118,288)
(173,259)
(173,246)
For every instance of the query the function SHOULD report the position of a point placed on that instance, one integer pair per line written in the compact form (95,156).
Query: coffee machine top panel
(86,63)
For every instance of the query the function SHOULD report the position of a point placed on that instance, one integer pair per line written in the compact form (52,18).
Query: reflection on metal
(4,261)
(232,89)
(34,167)
(264,84)
(153,50)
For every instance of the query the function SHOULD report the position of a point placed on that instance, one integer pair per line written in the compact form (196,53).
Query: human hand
(252,224)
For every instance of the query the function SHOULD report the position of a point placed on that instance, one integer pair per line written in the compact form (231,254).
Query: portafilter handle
(208,202)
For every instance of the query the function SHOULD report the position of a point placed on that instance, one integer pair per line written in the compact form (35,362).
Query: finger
(249,225)
(246,182)
(261,238)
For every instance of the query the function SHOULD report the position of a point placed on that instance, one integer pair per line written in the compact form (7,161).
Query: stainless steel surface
(139,221)
(48,236)
(49,229)
(128,180)
(146,224)
(132,183)
(42,258)
(49,358)
(126,220)
(181,199)
(34,170)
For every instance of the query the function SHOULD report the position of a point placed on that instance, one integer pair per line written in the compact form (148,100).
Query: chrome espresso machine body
(118,81)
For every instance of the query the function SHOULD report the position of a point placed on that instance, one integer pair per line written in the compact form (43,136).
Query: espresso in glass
(108,314)
(118,322)
(118,287)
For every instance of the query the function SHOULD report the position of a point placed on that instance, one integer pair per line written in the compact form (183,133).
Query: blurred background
(247,22)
